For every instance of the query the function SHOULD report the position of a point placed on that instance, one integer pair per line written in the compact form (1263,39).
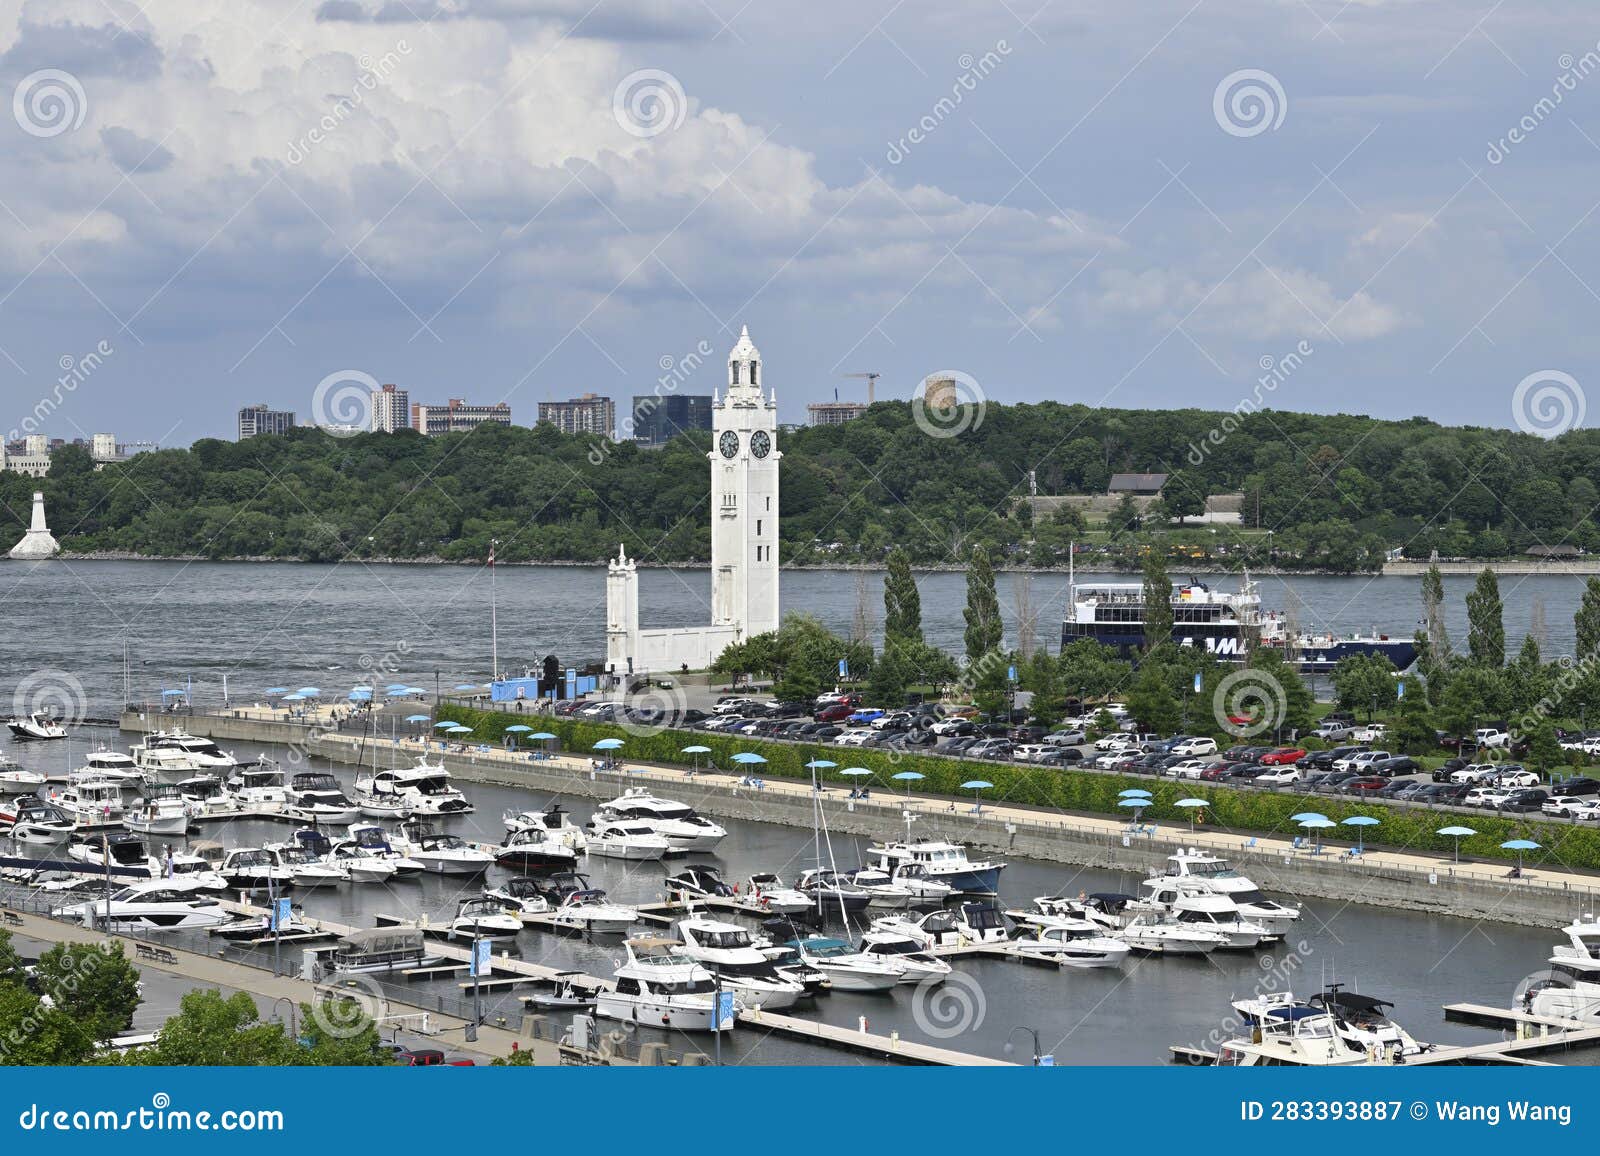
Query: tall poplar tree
(902,604)
(1486,631)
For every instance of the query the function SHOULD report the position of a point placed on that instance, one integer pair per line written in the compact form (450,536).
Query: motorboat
(846,968)
(261,787)
(764,892)
(36,726)
(728,951)
(255,869)
(91,804)
(701,881)
(787,962)
(882,892)
(1161,935)
(658,986)
(1107,910)
(1071,943)
(555,821)
(317,797)
(249,928)
(625,839)
(683,829)
(981,923)
(534,849)
(484,917)
(361,865)
(564,991)
(14,780)
(930,929)
(32,820)
(425,788)
(193,865)
(1210,910)
(207,796)
(306,869)
(1203,871)
(382,949)
(589,910)
(177,752)
(149,905)
(123,851)
(374,840)
(442,854)
(1293,1036)
(1572,989)
(899,950)
(521,894)
(387,808)
(160,810)
(912,878)
(831,893)
(946,862)
(108,765)
(1360,1019)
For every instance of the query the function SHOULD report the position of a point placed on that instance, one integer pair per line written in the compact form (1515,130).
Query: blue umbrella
(907,777)
(361,692)
(466,686)
(417,718)
(1318,823)
(821,764)
(541,735)
(1304,816)
(310,691)
(396,688)
(1191,805)
(1456,833)
(607,744)
(519,729)
(976,785)
(748,757)
(694,752)
(276,690)
(459,730)
(1361,836)
(855,772)
(445,724)
(294,698)
(412,690)
(1519,846)
(1133,793)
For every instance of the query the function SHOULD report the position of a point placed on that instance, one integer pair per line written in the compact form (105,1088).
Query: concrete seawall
(1410,882)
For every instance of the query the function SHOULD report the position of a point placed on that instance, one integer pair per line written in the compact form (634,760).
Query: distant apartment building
(591,414)
(259,419)
(31,455)
(456,416)
(834,412)
(657,420)
(19,460)
(391,409)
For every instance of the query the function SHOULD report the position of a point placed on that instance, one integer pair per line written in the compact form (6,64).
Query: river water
(287,624)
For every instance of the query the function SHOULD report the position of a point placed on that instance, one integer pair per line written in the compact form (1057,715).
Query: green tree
(1365,682)
(887,685)
(1041,676)
(1435,653)
(32,1033)
(94,985)
(1157,597)
(1486,632)
(1152,702)
(982,614)
(1544,749)
(1586,622)
(1090,669)
(1413,733)
(214,1030)
(902,603)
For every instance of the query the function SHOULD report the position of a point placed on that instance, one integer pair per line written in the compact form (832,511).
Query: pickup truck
(1490,737)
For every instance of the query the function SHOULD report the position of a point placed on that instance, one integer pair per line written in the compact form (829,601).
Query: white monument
(744,537)
(37,542)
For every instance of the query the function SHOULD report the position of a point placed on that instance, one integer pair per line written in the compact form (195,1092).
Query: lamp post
(294,1011)
(1032,1032)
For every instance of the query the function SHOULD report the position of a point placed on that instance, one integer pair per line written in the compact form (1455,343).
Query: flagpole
(494,622)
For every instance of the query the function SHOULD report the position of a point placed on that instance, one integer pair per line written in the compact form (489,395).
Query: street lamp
(1032,1032)
(294,1010)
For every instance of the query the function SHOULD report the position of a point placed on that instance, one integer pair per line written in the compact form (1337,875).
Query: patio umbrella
(459,730)
(466,686)
(694,753)
(396,688)
(1304,816)
(1519,846)
(821,764)
(1359,822)
(276,690)
(361,692)
(445,724)
(1318,823)
(976,785)
(542,736)
(1133,793)
(519,728)
(1458,834)
(417,717)
(1138,804)
(907,777)
(748,757)
(309,691)
(1192,806)
(607,744)
(855,772)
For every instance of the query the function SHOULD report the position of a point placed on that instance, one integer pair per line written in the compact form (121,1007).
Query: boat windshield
(1214,869)
(732,937)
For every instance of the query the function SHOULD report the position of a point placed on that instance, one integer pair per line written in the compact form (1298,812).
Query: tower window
(735,368)
(758,527)
(755,368)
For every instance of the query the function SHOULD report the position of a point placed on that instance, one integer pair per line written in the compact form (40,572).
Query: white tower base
(37,542)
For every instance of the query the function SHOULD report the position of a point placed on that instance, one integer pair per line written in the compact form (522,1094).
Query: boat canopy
(376,939)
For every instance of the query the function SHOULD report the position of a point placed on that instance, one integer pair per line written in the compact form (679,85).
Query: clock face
(728,443)
(760,443)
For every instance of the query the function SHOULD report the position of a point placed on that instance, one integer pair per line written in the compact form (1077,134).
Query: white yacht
(361,865)
(981,923)
(729,951)
(1203,871)
(683,829)
(534,849)
(122,850)
(625,839)
(206,796)
(931,929)
(32,820)
(589,910)
(91,804)
(846,968)
(442,854)
(484,917)
(1071,943)
(1207,910)
(912,878)
(195,868)
(831,892)
(658,986)
(108,766)
(1360,1019)
(1296,1036)
(38,725)
(899,950)
(159,810)
(317,797)
(14,780)
(882,892)
(255,869)
(261,787)
(374,840)
(1156,935)
(1573,990)
(179,751)
(425,788)
(765,893)
(150,905)
(304,868)
(522,895)
(554,821)
(945,862)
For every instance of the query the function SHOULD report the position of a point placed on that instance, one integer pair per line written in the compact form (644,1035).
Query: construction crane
(872,381)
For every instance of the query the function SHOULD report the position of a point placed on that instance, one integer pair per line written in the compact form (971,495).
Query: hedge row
(1267,812)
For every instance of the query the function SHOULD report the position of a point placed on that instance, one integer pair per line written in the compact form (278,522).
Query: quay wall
(1473,891)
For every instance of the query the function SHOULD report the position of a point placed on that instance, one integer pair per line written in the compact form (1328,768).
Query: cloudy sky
(1134,204)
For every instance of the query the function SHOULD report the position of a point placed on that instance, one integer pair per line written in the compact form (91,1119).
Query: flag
(491,553)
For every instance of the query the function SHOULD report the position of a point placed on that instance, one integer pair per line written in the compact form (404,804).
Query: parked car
(1071,737)
(1371,733)
(1581,785)
(1473,772)
(954,726)
(1489,797)
(1491,737)
(1361,760)
(1325,760)
(1515,776)
(1334,782)
(833,712)
(1526,799)
(1279,775)
(1399,765)
(1365,785)
(1028,752)
(1448,768)
(1194,746)
(1333,731)
(1060,756)
(1188,768)
(1282,756)
(1401,789)
(989,749)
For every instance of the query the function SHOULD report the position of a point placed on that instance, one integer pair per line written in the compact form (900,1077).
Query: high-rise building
(258,419)
(835,412)
(456,416)
(591,414)
(657,420)
(391,409)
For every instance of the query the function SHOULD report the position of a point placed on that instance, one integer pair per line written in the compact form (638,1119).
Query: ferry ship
(1221,621)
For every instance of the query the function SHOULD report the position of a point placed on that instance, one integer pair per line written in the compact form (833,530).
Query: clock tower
(744,497)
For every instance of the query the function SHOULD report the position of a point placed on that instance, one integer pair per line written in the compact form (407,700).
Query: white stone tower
(744,498)
(622,613)
(37,542)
